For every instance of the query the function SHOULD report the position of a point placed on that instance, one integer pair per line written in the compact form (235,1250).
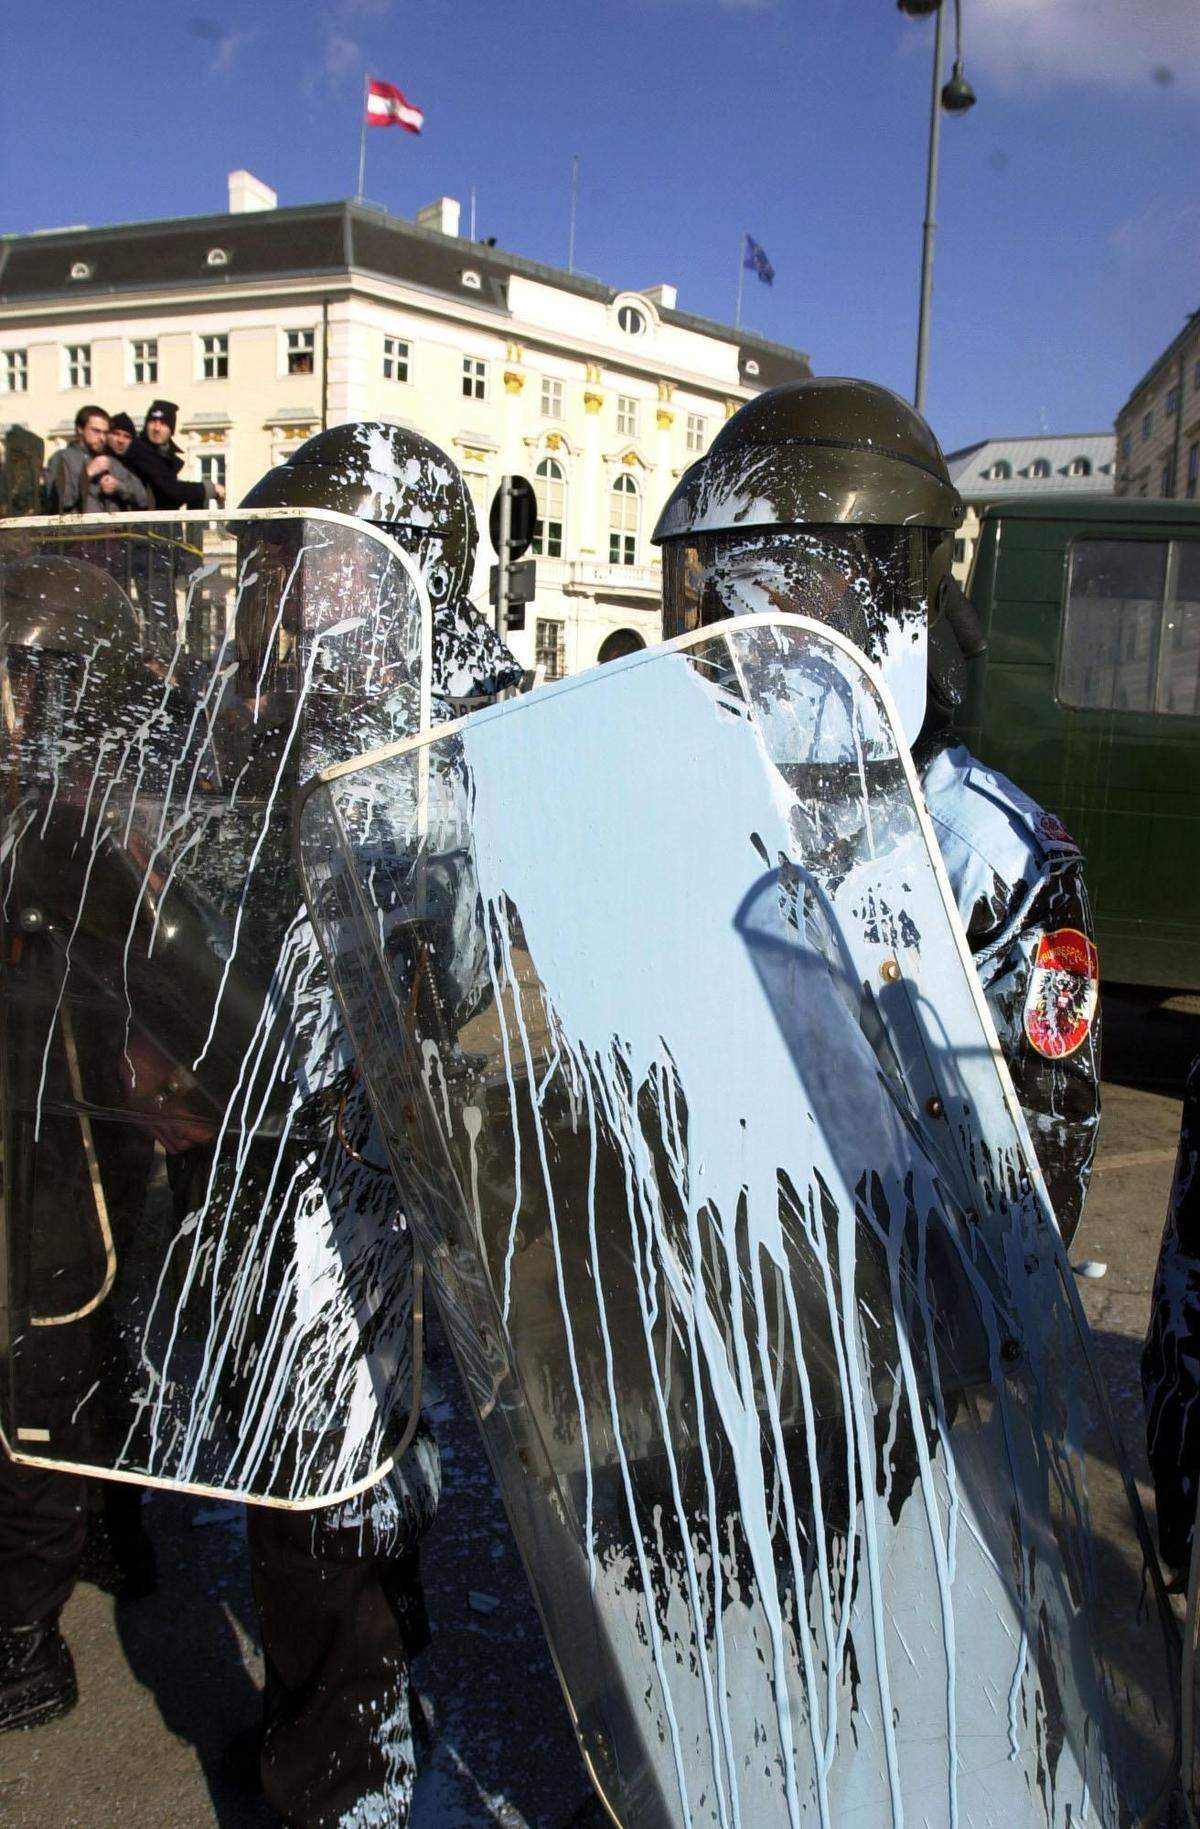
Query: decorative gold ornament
(631,458)
(514,352)
(213,437)
(665,419)
(665,390)
(554,441)
(592,402)
(731,407)
(592,372)
(514,381)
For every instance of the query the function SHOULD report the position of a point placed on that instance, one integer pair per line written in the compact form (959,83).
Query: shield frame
(1037,1187)
(109,526)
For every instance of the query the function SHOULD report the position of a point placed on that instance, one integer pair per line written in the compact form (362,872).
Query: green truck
(1088,696)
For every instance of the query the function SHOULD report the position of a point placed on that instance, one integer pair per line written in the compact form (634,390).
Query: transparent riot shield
(718,1175)
(205,1279)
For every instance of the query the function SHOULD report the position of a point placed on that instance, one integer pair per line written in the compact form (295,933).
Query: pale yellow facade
(601,419)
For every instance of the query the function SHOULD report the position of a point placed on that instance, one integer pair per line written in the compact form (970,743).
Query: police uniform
(1017,878)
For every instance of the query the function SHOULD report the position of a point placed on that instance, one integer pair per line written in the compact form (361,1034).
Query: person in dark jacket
(85,477)
(157,460)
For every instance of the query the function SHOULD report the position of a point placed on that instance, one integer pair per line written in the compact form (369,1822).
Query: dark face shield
(870,584)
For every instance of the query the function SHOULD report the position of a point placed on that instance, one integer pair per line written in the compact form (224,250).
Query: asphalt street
(168,1682)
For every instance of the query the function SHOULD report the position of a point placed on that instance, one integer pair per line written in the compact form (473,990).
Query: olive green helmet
(402,482)
(823,452)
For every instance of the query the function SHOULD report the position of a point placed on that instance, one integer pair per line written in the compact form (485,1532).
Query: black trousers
(342,1613)
(43,1520)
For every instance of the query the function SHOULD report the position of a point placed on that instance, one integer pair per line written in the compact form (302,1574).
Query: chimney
(441,215)
(663,296)
(246,192)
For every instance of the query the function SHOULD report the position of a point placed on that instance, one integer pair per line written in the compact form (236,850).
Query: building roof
(972,468)
(1160,361)
(317,240)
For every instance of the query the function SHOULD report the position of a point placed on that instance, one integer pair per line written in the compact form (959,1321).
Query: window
(1079,466)
(214,352)
(16,371)
(1172,400)
(1193,474)
(1127,444)
(300,350)
(1038,468)
(1000,472)
(631,320)
(627,415)
(217,257)
(82,269)
(474,379)
(477,489)
(143,363)
(212,469)
(1147,422)
(472,280)
(79,364)
(696,432)
(623,522)
(552,398)
(1167,479)
(1131,634)
(395,359)
(550,648)
(551,499)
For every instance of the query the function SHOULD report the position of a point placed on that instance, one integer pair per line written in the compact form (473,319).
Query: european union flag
(756,260)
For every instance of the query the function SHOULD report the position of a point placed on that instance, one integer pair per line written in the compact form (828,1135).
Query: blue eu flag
(756,260)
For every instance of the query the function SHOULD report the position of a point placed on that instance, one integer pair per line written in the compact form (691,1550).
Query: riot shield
(723,1189)
(206,1279)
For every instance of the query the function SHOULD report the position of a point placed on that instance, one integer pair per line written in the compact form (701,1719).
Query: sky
(1068,238)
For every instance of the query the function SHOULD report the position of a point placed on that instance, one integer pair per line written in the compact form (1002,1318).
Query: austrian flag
(388,107)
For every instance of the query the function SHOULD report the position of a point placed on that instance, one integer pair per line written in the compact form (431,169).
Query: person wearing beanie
(157,460)
(121,433)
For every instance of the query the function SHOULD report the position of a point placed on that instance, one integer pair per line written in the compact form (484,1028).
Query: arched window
(551,494)
(1039,468)
(631,320)
(623,508)
(1000,472)
(1079,466)
(620,643)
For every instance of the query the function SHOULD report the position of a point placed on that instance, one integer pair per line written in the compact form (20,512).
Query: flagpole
(362,140)
(574,201)
(737,316)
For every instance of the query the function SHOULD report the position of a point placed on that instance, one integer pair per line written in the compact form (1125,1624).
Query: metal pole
(472,212)
(362,140)
(502,555)
(931,177)
(737,312)
(574,201)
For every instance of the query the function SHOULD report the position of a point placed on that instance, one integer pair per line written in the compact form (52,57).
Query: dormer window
(1039,469)
(217,257)
(1000,472)
(1079,466)
(82,269)
(471,279)
(631,321)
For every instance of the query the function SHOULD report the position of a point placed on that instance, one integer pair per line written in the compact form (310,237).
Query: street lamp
(956,98)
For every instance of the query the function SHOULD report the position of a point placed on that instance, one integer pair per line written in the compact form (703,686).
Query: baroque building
(266,324)
(1158,428)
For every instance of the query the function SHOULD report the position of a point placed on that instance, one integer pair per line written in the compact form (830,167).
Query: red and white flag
(387,106)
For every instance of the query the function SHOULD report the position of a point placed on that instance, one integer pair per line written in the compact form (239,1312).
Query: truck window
(1110,640)
(1179,672)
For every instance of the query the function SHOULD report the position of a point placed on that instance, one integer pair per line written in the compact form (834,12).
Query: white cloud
(1137,46)
(341,57)
(229,46)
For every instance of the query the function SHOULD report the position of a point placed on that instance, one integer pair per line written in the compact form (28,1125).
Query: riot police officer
(337,1590)
(830,498)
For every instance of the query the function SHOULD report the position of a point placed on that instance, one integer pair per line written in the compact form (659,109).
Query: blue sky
(1069,215)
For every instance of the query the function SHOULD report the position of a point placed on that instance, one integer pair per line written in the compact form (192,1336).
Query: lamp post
(956,97)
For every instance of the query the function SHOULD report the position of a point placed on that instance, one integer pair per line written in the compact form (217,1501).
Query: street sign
(522,581)
(523,516)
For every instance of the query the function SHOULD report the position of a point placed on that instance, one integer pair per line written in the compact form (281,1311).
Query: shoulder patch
(1064,990)
(1047,829)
